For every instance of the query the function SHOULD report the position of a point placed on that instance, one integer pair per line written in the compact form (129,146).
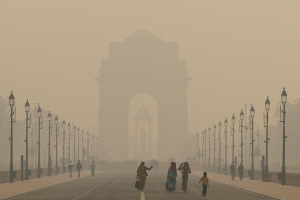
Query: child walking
(205,183)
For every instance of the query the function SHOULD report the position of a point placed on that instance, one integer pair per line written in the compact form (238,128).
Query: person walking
(172,175)
(93,166)
(185,170)
(205,183)
(142,174)
(70,168)
(79,167)
(241,171)
(232,171)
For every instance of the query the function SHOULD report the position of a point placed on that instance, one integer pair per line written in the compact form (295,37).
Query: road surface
(117,184)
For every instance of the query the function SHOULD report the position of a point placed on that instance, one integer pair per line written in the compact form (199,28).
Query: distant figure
(93,166)
(79,167)
(172,175)
(142,174)
(241,171)
(205,183)
(185,170)
(232,170)
(70,167)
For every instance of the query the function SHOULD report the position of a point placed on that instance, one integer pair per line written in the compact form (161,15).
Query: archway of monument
(143,127)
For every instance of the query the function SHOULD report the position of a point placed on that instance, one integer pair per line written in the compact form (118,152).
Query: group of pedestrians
(240,171)
(184,168)
(79,168)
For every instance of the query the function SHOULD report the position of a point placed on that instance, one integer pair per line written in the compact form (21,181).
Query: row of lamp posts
(12,173)
(251,119)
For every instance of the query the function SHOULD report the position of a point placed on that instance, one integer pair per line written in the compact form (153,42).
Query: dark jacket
(79,166)
(240,169)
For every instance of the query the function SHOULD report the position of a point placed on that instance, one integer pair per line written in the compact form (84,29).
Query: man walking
(93,166)
(240,171)
(79,167)
(70,167)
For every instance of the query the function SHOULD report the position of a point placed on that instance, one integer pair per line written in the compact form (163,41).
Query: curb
(247,190)
(43,188)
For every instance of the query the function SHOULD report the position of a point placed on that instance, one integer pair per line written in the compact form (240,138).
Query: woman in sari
(172,174)
(142,174)
(185,170)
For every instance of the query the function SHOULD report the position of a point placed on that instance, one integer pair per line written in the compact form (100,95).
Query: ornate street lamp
(69,128)
(214,168)
(27,109)
(64,126)
(267,107)
(56,159)
(233,122)
(49,117)
(241,130)
(82,140)
(198,149)
(209,131)
(220,126)
(88,145)
(252,113)
(74,131)
(11,167)
(39,114)
(283,100)
(78,133)
(205,133)
(225,131)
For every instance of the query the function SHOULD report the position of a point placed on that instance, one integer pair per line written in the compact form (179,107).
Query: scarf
(173,166)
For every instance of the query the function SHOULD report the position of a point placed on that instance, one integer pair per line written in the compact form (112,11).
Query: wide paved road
(112,185)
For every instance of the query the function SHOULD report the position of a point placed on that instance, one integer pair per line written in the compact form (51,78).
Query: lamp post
(220,126)
(252,113)
(49,157)
(225,131)
(56,160)
(11,167)
(209,131)
(39,114)
(283,100)
(74,131)
(69,128)
(63,125)
(82,140)
(88,145)
(214,167)
(78,132)
(27,109)
(198,149)
(233,122)
(97,148)
(241,130)
(267,107)
(205,132)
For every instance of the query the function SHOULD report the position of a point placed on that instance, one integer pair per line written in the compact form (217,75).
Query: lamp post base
(283,181)
(11,174)
(252,172)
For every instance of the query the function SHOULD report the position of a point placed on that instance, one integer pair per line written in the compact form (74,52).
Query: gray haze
(236,52)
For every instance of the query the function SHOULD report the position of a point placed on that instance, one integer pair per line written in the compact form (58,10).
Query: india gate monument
(143,98)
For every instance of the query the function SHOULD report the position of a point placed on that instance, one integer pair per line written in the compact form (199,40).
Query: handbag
(167,185)
(137,183)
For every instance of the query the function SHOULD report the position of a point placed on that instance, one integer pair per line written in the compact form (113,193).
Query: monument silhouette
(143,64)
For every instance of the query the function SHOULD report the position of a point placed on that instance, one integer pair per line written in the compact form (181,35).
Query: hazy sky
(237,52)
